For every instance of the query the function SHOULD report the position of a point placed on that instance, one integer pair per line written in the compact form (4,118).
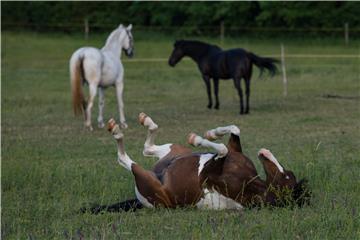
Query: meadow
(51,166)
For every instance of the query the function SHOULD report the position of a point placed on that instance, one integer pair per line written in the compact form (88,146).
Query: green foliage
(185,16)
(309,14)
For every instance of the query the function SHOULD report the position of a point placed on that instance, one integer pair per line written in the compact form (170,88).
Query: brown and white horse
(225,179)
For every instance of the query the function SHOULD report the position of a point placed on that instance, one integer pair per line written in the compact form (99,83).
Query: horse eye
(287,177)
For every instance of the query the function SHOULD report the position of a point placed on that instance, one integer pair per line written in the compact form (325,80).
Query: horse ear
(120,26)
(129,27)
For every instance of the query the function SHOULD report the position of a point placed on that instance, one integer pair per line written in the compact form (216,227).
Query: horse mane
(113,34)
(113,37)
(301,193)
(299,196)
(194,43)
(195,48)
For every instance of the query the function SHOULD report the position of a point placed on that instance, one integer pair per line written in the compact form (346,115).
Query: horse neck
(266,194)
(274,196)
(114,43)
(196,50)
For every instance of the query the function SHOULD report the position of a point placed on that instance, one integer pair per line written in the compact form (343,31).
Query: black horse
(217,64)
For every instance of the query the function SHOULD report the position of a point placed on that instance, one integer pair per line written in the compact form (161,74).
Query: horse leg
(196,140)
(208,90)
(92,94)
(247,92)
(149,190)
(101,108)
(216,92)
(237,84)
(119,94)
(150,149)
(219,132)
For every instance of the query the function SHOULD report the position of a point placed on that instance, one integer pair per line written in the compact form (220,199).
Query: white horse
(100,68)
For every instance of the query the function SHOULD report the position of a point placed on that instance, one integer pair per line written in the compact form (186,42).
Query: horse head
(128,41)
(177,54)
(282,182)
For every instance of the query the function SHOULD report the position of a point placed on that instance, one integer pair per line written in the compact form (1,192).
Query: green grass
(51,166)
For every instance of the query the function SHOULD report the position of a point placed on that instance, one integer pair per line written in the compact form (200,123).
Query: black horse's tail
(128,205)
(264,63)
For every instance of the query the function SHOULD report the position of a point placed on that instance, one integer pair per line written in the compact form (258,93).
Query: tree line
(192,16)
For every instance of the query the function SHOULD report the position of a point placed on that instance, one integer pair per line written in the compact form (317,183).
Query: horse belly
(182,180)
(168,153)
(219,73)
(111,72)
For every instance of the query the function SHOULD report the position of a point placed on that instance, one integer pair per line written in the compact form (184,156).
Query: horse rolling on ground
(226,179)
(215,63)
(100,68)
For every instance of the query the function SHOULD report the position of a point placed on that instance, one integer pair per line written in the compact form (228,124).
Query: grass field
(51,166)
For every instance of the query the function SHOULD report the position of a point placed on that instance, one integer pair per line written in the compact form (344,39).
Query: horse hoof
(209,106)
(101,125)
(210,135)
(111,124)
(123,125)
(194,139)
(114,129)
(142,117)
(191,138)
(89,128)
(146,121)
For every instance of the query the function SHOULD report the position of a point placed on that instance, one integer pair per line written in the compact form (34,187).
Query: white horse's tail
(76,79)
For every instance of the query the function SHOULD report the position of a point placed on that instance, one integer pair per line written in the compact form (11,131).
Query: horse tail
(76,80)
(264,63)
(128,205)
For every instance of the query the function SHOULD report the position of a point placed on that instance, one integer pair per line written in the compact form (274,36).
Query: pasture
(52,166)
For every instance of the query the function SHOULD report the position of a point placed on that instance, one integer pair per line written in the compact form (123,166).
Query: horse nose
(130,53)
(171,62)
